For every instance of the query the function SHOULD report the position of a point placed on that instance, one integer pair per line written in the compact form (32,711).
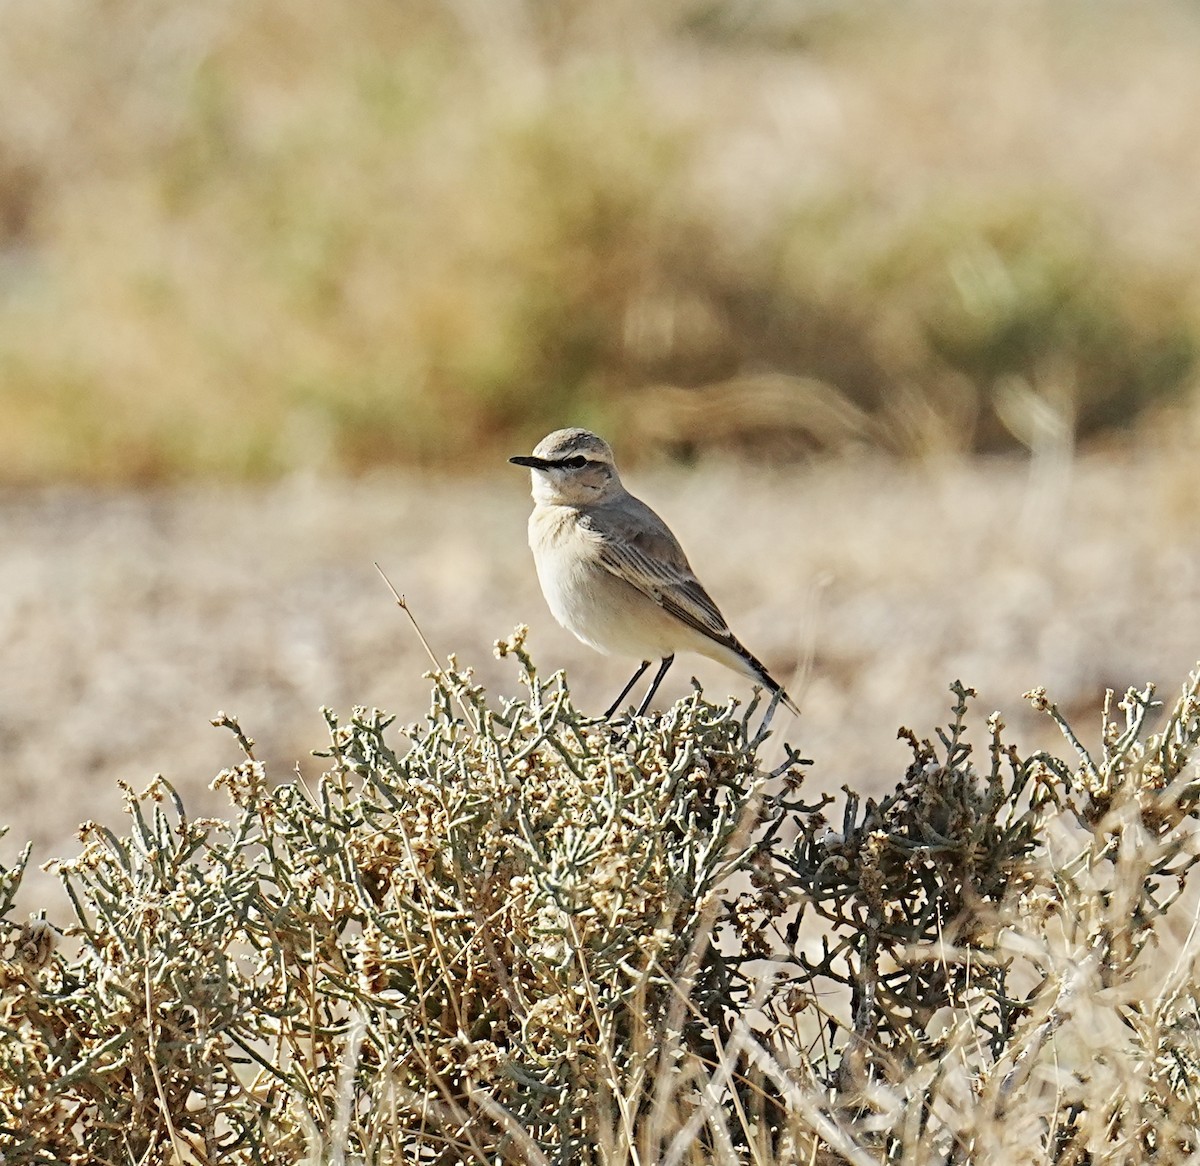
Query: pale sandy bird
(614,574)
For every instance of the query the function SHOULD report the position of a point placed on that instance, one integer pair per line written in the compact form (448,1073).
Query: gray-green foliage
(531,936)
(1013,942)
(485,924)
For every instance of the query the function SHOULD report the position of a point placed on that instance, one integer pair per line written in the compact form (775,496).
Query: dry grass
(247,240)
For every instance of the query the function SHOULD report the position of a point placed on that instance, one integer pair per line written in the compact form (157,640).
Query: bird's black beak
(534,463)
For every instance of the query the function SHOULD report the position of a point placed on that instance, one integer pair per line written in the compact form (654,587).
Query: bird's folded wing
(657,567)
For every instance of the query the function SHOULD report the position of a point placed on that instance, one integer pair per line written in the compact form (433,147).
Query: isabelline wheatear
(614,574)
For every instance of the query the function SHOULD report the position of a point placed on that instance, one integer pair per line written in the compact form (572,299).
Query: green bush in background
(531,936)
(242,241)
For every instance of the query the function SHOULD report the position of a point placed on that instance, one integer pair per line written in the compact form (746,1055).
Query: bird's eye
(574,463)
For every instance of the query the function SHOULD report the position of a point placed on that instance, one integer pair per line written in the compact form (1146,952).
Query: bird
(612,572)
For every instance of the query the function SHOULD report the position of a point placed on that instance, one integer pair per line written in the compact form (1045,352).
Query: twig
(402,603)
(439,671)
(158,1085)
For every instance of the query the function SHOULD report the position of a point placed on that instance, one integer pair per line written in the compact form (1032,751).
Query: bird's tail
(759,672)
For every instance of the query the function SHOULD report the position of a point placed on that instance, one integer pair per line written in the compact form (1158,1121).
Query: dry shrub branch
(519,934)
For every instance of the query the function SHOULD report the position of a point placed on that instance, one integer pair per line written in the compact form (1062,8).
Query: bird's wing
(637,546)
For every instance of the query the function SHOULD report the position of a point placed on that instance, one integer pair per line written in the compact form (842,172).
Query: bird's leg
(776,696)
(667,661)
(616,704)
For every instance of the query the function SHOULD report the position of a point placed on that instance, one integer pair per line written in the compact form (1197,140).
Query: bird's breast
(564,568)
(602,610)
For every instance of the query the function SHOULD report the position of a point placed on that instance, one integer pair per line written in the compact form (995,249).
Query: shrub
(969,322)
(532,936)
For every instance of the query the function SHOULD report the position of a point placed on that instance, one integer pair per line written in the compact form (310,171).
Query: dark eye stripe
(572,463)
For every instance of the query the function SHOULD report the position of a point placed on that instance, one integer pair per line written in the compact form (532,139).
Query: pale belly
(605,612)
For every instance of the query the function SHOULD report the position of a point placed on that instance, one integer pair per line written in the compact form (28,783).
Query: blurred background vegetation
(239,239)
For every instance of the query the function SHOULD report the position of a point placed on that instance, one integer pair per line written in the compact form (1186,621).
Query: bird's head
(571,467)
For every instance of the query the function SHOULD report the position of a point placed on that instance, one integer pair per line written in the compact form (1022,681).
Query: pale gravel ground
(128,620)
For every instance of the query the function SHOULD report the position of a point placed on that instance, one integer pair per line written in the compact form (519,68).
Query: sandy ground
(127,620)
